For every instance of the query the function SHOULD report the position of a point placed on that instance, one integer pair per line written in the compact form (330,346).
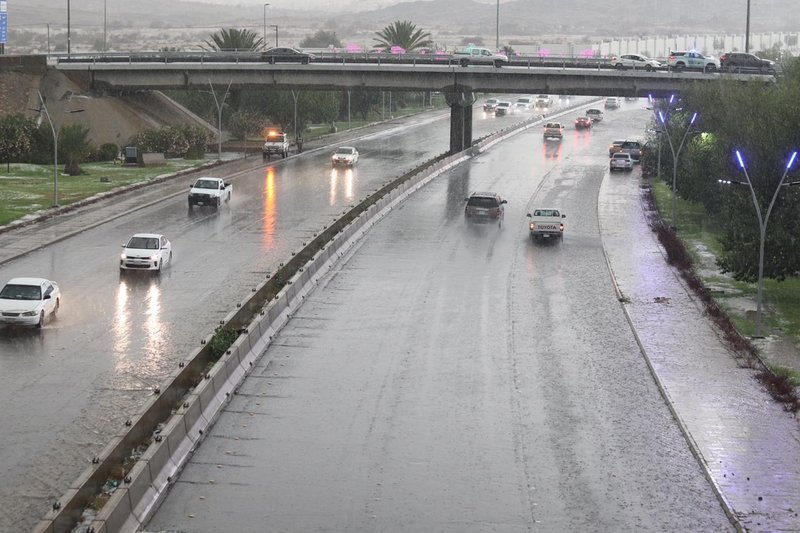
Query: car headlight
(30,313)
(532,226)
(153,257)
(123,256)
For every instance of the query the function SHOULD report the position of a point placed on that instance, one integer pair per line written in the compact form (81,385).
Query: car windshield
(631,144)
(622,156)
(276,137)
(482,201)
(21,292)
(593,111)
(344,151)
(206,184)
(553,125)
(143,243)
(546,213)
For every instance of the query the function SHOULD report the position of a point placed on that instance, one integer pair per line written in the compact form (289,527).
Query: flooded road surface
(454,376)
(67,390)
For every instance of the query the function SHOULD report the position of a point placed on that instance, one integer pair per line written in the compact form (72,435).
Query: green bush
(106,152)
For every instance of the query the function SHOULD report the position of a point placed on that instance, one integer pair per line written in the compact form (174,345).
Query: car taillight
(561,228)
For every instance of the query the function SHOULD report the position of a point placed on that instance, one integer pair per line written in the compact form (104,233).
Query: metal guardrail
(339,57)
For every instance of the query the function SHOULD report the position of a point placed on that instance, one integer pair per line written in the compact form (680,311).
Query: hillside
(605,18)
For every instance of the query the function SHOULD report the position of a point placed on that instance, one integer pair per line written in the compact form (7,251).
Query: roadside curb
(693,446)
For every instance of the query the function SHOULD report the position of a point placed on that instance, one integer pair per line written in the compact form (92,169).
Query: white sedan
(146,251)
(28,301)
(345,155)
(634,61)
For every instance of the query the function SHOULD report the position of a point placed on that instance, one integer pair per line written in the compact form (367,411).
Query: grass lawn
(781,300)
(25,189)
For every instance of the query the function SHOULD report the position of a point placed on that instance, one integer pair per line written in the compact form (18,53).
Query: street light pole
(675,156)
(265,25)
(56,130)
(497,27)
(69,37)
(105,25)
(219,116)
(747,30)
(762,224)
(276,33)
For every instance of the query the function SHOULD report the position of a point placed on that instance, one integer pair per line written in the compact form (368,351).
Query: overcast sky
(336,5)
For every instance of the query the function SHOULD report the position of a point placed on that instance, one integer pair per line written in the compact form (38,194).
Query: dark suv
(485,207)
(740,61)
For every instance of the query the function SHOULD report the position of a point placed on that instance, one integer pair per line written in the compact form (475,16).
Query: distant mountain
(443,18)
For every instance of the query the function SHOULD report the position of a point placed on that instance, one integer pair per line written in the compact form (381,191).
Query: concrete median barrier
(174,421)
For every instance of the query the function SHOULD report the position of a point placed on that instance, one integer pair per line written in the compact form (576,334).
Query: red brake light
(562,226)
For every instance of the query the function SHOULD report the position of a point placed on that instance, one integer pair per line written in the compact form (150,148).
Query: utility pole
(747,30)
(69,36)
(497,28)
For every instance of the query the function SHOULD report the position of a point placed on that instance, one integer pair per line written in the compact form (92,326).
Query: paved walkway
(749,444)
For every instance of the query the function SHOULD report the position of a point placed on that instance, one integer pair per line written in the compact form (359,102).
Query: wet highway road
(458,377)
(67,390)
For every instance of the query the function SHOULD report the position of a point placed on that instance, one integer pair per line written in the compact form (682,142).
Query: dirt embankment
(110,119)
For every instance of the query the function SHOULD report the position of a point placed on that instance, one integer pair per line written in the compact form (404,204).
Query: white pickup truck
(546,223)
(480,56)
(209,191)
(276,143)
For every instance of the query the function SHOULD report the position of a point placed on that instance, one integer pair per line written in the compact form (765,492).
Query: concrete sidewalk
(748,444)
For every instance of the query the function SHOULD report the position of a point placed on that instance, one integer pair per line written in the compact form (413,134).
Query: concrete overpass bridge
(459,84)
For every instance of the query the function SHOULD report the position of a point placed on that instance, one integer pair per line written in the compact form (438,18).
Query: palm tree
(232,40)
(403,33)
(74,147)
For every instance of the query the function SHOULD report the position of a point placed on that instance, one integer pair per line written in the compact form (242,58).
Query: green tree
(16,137)
(760,121)
(403,33)
(321,39)
(243,123)
(73,147)
(233,40)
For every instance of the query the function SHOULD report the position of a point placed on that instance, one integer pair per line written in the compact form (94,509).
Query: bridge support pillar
(460,99)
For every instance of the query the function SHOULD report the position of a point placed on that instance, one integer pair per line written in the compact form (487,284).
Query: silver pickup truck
(546,223)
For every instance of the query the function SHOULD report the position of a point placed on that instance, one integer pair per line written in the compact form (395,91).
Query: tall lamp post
(747,30)
(675,154)
(265,25)
(69,36)
(219,104)
(56,129)
(276,33)
(497,27)
(762,223)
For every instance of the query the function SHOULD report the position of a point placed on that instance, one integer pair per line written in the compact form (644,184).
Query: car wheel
(170,258)
(191,204)
(464,62)
(710,68)
(619,66)
(648,68)
(41,320)
(680,66)
(58,305)
(498,63)
(216,203)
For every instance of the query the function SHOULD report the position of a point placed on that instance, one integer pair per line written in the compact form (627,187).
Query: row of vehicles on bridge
(679,60)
